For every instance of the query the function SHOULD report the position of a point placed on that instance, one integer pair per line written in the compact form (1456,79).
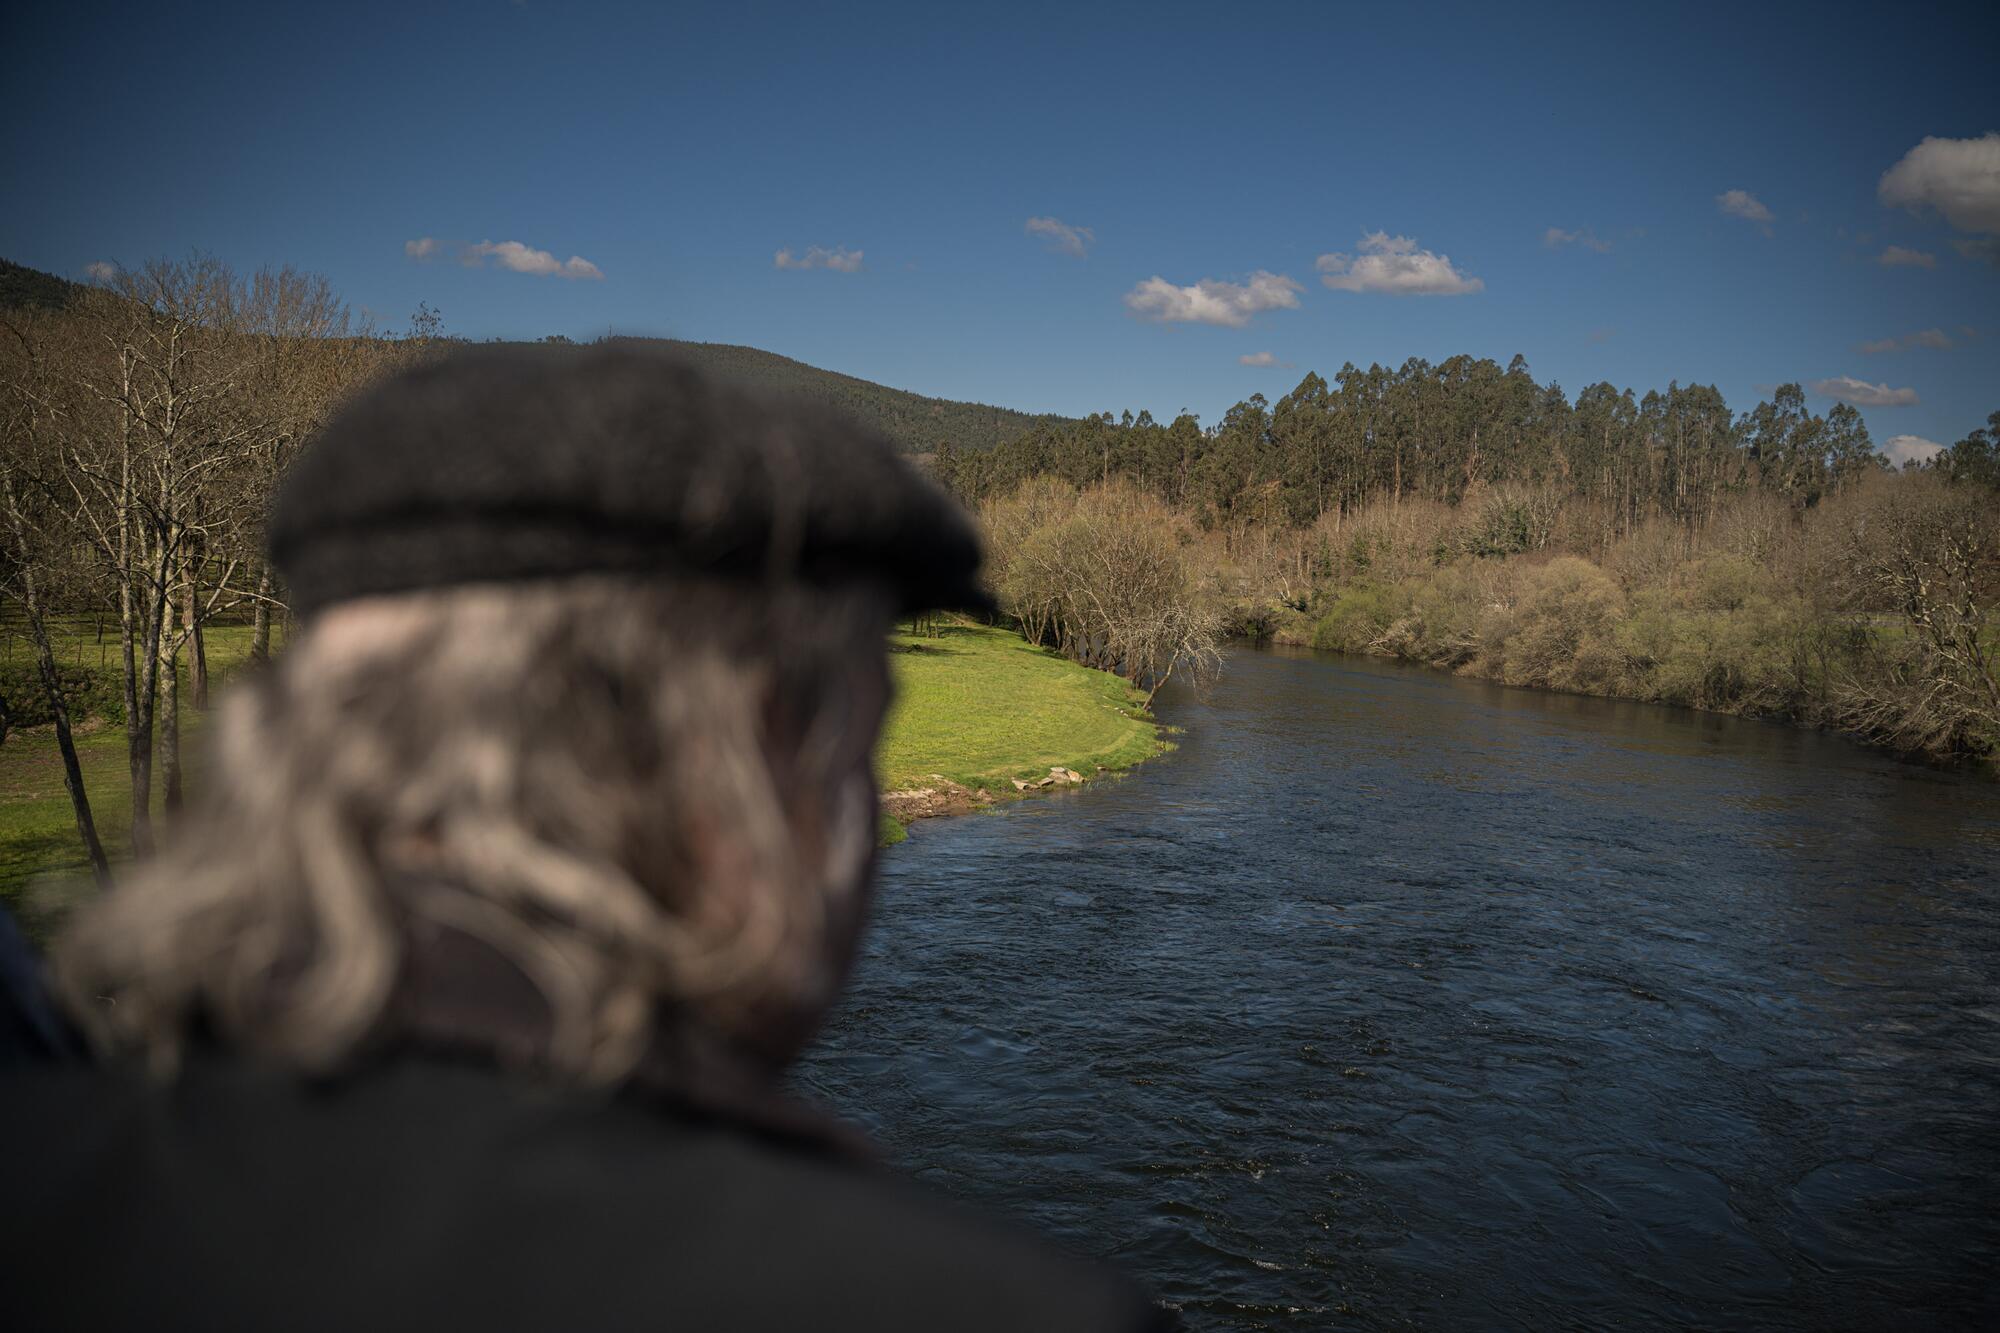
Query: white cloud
(840,259)
(103,270)
(1745,205)
(1555,238)
(1897,256)
(1230,304)
(1266,359)
(1960,178)
(512,255)
(1901,449)
(1935,339)
(1062,238)
(526,259)
(1847,389)
(1395,265)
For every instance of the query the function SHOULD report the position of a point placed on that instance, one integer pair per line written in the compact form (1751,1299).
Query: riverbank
(980,716)
(1710,639)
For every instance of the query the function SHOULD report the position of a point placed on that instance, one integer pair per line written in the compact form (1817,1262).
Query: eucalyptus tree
(1302,435)
(1974,460)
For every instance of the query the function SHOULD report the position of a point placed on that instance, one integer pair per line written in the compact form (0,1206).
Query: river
(1395,1000)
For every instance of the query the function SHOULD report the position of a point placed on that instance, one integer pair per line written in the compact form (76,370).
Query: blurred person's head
(588,680)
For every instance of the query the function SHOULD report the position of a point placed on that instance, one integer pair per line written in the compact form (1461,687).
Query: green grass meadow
(37,827)
(978,705)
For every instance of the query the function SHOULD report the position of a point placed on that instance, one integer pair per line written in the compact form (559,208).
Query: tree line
(1438,431)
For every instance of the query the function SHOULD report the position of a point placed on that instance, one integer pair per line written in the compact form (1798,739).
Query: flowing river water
(1392,999)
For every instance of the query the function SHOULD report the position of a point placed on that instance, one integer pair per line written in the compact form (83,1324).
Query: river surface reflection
(1392,999)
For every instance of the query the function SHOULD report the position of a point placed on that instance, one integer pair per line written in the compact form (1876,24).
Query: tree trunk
(168,744)
(45,665)
(170,735)
(197,655)
(142,691)
(260,632)
(79,799)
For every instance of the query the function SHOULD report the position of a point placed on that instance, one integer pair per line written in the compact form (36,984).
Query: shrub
(1726,583)
(1442,625)
(1563,630)
(1739,658)
(1359,616)
(90,692)
(1505,520)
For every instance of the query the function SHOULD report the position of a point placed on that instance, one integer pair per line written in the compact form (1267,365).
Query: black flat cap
(498,464)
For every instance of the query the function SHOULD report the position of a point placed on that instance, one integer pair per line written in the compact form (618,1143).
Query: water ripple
(1395,1000)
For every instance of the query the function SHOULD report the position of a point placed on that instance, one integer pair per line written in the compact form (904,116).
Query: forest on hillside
(916,424)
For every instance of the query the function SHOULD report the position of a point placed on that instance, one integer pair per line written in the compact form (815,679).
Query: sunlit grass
(980,706)
(38,834)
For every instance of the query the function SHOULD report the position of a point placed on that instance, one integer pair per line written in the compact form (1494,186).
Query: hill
(23,286)
(917,424)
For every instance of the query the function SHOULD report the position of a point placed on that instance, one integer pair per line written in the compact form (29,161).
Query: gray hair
(653,798)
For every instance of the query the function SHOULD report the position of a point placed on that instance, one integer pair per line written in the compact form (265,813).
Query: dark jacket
(33,1031)
(433,1193)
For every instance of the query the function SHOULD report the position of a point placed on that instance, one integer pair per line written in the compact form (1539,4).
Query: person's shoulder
(762,1231)
(904,1255)
(435,1196)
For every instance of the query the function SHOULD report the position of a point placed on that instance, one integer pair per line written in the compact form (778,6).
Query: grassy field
(977,705)
(37,829)
(980,705)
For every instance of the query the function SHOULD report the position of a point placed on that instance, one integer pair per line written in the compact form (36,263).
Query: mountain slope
(21,286)
(917,424)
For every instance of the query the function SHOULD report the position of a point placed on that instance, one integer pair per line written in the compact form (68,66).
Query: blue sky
(673,153)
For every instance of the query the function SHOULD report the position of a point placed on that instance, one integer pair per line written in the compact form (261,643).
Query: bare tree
(29,546)
(306,357)
(148,411)
(1931,551)
(1104,577)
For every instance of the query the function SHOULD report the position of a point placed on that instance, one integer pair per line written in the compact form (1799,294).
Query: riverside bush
(1737,658)
(1359,617)
(1445,623)
(1561,629)
(1872,610)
